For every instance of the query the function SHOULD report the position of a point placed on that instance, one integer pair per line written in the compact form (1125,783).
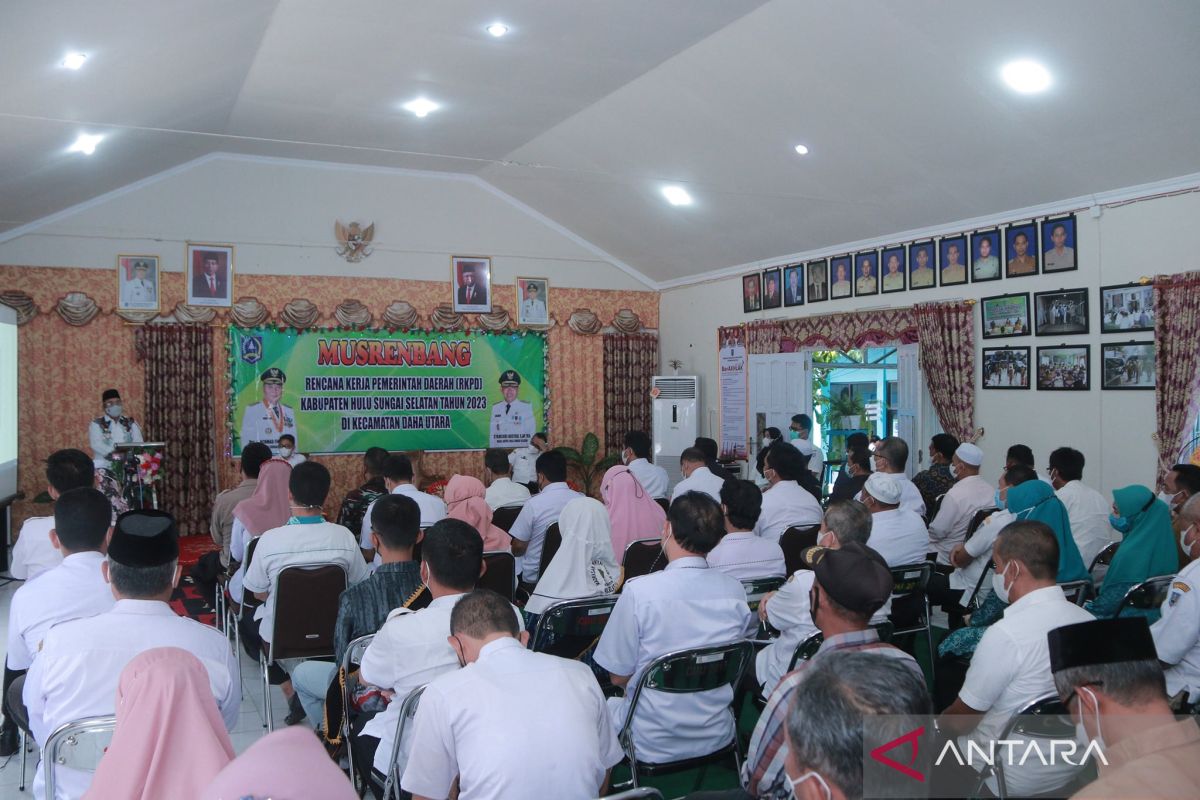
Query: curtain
(763,338)
(179,411)
(630,360)
(946,337)
(1176,360)
(852,330)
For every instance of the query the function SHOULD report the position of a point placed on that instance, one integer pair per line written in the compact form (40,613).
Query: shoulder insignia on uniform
(1181,586)
(1174,598)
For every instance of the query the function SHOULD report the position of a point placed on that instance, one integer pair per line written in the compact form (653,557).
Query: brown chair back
(306,608)
(504,517)
(550,546)
(664,502)
(793,542)
(500,575)
(643,557)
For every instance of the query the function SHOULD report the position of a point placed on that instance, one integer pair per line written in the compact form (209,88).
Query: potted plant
(584,461)
(847,410)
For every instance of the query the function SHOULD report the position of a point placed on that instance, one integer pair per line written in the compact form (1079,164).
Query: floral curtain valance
(1176,360)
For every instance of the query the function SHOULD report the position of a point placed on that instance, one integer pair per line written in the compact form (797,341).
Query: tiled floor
(248,730)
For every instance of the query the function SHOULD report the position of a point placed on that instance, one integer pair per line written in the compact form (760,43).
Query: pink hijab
(169,738)
(464,501)
(268,507)
(632,511)
(289,765)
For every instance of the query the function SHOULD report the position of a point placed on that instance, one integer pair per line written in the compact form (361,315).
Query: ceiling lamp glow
(74,60)
(677,196)
(86,144)
(1026,77)
(422,106)
(801,150)
(497,29)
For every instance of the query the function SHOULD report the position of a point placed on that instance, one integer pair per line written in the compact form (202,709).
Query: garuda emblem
(355,240)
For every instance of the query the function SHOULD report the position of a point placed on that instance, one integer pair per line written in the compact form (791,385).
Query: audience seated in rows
(398,474)
(740,553)
(1022,455)
(890,456)
(465,501)
(633,513)
(769,437)
(969,495)
(800,437)
(356,502)
(221,523)
(686,605)
(266,509)
(284,764)
(697,476)
(502,490)
(584,565)
(898,535)
(712,453)
(1177,631)
(937,479)
(543,509)
(636,455)
(524,460)
(1148,547)
(856,470)
(1180,483)
(33,552)
(1086,508)
(786,503)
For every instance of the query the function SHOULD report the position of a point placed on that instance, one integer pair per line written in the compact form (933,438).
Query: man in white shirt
(111,428)
(740,553)
(529,530)
(287,450)
(524,460)
(890,455)
(969,495)
(800,433)
(1087,509)
(502,490)
(398,479)
(1177,632)
(1011,665)
(899,536)
(636,456)
(785,503)
(76,673)
(546,735)
(34,553)
(686,605)
(697,477)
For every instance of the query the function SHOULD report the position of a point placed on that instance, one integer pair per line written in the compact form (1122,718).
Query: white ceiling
(587,108)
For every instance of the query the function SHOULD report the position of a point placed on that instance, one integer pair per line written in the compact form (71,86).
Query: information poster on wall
(732,362)
(341,391)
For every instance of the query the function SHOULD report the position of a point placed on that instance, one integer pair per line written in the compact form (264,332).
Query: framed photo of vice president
(952,260)
(894,260)
(985,256)
(210,275)
(471,281)
(922,265)
(137,283)
(1021,250)
(817,285)
(772,296)
(793,285)
(1060,247)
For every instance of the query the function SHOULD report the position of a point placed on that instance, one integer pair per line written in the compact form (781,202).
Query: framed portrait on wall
(137,283)
(1127,365)
(952,260)
(817,284)
(1066,368)
(1061,312)
(1021,250)
(772,296)
(1005,368)
(793,285)
(894,268)
(533,301)
(841,273)
(751,293)
(922,265)
(1126,308)
(866,273)
(471,282)
(210,275)
(985,256)
(1005,315)
(1061,251)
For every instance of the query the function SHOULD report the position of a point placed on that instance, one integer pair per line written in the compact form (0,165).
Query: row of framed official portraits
(1125,365)
(1126,308)
(1010,251)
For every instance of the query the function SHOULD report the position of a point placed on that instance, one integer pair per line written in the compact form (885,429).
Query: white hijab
(584,565)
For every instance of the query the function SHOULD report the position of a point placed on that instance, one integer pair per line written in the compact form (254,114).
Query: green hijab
(1148,548)
(1035,499)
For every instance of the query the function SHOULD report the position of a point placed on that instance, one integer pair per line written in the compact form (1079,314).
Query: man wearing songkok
(740,553)
(1107,673)
(897,534)
(969,495)
(76,673)
(1177,632)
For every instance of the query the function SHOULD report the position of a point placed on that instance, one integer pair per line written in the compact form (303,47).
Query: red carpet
(192,547)
(187,600)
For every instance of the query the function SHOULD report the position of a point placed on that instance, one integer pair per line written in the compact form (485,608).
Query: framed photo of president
(922,265)
(793,285)
(471,278)
(137,283)
(818,281)
(893,259)
(1061,251)
(210,275)
(772,288)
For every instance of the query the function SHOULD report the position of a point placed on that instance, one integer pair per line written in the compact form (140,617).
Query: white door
(780,387)
(908,403)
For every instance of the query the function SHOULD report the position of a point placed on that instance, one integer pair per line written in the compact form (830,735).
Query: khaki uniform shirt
(1161,763)
(220,527)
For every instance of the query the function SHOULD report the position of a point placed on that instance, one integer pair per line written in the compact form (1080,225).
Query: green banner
(342,391)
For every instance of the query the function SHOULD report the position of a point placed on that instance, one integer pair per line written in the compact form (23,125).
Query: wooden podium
(137,466)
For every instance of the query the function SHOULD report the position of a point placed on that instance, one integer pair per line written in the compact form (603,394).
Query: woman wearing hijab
(287,765)
(269,507)
(1147,549)
(584,565)
(465,501)
(632,513)
(170,739)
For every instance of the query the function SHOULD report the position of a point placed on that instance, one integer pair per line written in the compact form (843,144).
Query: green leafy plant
(843,405)
(587,468)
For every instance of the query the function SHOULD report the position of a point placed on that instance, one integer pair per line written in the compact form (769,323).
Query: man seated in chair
(540,512)
(77,671)
(685,606)
(969,495)
(364,607)
(890,455)
(899,535)
(309,539)
(1011,666)
(740,553)
(697,475)
(636,456)
(502,490)
(510,723)
(398,477)
(786,503)
(852,582)
(1177,631)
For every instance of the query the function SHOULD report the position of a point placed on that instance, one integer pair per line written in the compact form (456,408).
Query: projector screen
(8,401)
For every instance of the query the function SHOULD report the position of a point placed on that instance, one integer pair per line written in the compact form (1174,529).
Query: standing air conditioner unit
(676,420)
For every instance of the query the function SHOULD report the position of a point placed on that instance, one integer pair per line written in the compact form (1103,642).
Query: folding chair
(306,605)
(1078,592)
(1100,563)
(757,587)
(76,745)
(1044,719)
(664,502)
(806,649)
(977,520)
(641,558)
(235,612)
(550,545)
(976,598)
(500,575)
(1147,595)
(504,517)
(909,584)
(793,542)
(408,710)
(684,672)
(350,659)
(885,630)
(569,627)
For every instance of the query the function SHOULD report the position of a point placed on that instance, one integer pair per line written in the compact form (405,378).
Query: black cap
(274,375)
(854,575)
(1101,641)
(510,376)
(140,264)
(110,394)
(144,538)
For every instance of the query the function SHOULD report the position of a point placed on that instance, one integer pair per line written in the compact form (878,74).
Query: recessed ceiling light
(801,149)
(422,106)
(1026,77)
(677,196)
(74,60)
(86,144)
(497,29)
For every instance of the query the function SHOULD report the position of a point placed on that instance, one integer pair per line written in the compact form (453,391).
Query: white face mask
(1167,498)
(1183,534)
(998,585)
(810,774)
(767,441)
(953,471)
(114,410)
(1081,736)
(285,451)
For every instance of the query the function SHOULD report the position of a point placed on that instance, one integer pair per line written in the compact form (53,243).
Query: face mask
(625,457)
(810,774)
(767,441)
(285,451)
(793,435)
(1120,523)
(1167,498)
(999,500)
(998,585)
(114,410)
(1081,736)
(953,471)
(1187,551)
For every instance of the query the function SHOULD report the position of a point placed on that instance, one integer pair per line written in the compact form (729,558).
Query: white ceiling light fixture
(421,107)
(801,150)
(74,60)
(497,29)
(86,143)
(677,195)
(1026,77)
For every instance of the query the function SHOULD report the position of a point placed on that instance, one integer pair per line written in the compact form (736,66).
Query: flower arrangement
(149,467)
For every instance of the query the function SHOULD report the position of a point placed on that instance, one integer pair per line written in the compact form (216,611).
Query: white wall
(1111,428)
(280,215)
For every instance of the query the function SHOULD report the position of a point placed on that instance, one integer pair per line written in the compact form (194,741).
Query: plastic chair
(1147,595)
(550,545)
(1102,559)
(664,502)
(806,649)
(500,575)
(976,598)
(909,585)
(306,606)
(87,739)
(569,627)
(684,672)
(793,542)
(977,520)
(757,587)
(1078,592)
(351,658)
(504,517)
(235,612)
(642,557)
(408,710)
(1046,718)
